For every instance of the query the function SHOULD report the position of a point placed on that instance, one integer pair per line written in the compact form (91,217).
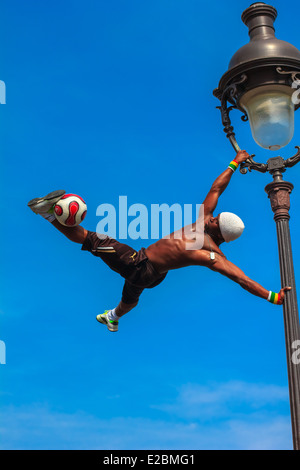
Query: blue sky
(115,98)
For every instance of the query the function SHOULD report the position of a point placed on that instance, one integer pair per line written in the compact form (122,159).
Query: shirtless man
(148,267)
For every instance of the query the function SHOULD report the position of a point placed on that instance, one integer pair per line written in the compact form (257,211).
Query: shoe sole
(104,322)
(51,196)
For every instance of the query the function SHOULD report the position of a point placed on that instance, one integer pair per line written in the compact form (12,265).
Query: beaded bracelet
(233,165)
(274,298)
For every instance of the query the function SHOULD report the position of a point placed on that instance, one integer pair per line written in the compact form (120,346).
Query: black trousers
(134,266)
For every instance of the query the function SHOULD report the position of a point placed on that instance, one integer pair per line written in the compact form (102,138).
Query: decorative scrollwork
(232,92)
(294,82)
(231,95)
(294,159)
(293,73)
(250,165)
(273,165)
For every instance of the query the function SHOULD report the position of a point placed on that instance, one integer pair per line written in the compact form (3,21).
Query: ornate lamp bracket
(231,95)
(275,165)
(294,159)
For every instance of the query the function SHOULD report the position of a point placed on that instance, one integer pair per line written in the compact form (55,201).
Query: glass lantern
(271,114)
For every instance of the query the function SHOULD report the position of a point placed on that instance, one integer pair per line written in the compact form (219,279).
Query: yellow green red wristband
(233,165)
(274,298)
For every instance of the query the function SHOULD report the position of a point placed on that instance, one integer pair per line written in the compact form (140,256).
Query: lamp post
(260,82)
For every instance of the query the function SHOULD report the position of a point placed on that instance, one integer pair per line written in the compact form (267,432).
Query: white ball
(70,210)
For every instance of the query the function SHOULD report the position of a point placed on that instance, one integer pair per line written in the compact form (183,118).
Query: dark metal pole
(265,61)
(279,194)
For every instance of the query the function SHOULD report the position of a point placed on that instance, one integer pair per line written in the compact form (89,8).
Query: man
(148,267)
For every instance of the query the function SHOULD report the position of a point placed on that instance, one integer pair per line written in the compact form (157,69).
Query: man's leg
(130,298)
(44,206)
(131,293)
(76,234)
(99,246)
(124,308)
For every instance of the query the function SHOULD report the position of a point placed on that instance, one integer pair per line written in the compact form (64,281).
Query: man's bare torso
(178,251)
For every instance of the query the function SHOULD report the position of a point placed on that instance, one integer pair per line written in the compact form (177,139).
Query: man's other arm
(230,270)
(220,184)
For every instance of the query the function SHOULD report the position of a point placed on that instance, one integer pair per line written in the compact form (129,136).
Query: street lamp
(260,82)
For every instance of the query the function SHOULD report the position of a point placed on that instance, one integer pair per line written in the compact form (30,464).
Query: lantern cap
(263,45)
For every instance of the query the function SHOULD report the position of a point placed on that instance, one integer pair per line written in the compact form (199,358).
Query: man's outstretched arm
(220,184)
(230,270)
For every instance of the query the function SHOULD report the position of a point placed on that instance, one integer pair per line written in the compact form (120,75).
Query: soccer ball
(70,210)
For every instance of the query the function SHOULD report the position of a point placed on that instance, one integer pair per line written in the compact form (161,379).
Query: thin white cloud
(253,426)
(200,401)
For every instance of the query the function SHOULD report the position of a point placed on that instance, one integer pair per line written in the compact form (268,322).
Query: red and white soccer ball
(70,210)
